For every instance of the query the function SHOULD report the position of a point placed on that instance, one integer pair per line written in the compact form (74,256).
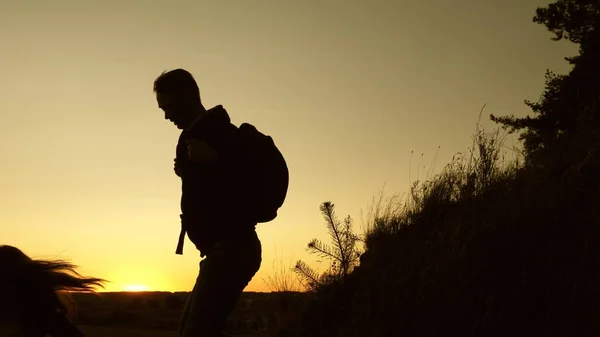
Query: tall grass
(487,247)
(282,278)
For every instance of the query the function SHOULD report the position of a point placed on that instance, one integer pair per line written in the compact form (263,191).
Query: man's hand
(200,152)
(177,168)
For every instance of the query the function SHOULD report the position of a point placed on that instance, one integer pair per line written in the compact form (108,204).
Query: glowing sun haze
(346,88)
(136,287)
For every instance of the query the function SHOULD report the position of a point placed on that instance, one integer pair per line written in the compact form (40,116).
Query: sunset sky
(346,88)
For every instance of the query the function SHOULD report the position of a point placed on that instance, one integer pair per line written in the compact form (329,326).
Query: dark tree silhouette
(569,104)
(573,20)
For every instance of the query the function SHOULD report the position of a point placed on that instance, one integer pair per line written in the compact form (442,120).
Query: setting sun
(135,287)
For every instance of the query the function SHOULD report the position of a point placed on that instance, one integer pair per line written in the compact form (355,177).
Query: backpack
(267,175)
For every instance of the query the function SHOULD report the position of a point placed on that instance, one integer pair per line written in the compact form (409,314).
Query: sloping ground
(522,258)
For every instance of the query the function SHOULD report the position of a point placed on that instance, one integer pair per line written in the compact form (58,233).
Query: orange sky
(347,89)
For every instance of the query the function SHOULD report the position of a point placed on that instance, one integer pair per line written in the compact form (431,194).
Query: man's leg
(226,271)
(186,309)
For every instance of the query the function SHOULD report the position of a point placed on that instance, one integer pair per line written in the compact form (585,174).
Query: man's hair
(175,81)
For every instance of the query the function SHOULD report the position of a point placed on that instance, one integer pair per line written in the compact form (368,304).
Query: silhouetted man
(214,213)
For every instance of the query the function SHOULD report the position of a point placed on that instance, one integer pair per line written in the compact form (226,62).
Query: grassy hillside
(486,248)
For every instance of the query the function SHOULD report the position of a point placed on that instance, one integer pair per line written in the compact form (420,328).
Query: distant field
(156,314)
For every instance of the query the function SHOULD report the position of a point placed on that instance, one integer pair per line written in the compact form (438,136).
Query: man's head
(178,96)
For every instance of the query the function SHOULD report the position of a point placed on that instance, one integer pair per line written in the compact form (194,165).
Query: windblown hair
(33,288)
(176,81)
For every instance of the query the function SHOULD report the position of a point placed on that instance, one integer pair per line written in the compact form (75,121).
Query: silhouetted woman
(34,293)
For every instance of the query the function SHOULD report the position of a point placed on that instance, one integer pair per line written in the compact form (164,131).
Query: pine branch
(327,208)
(306,273)
(317,247)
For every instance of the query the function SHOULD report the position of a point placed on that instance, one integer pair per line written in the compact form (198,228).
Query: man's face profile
(172,108)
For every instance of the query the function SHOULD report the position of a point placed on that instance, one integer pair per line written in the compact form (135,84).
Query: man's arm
(200,152)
